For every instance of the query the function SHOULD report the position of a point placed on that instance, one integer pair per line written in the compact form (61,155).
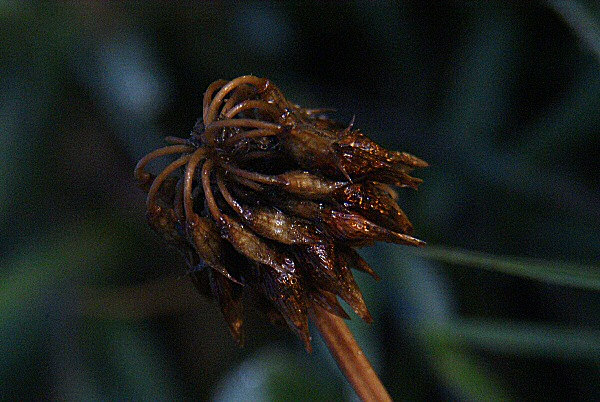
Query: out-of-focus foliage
(502,100)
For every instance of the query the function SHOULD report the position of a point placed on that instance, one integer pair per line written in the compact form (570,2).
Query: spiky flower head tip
(271,201)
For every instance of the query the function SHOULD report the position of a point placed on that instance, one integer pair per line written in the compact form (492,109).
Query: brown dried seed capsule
(303,208)
(375,204)
(297,182)
(251,246)
(272,223)
(358,231)
(308,185)
(275,225)
(204,236)
(313,148)
(360,155)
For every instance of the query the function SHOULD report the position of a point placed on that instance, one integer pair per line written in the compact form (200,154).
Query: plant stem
(349,356)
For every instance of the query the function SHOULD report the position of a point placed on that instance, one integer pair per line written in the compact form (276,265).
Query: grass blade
(557,273)
(532,339)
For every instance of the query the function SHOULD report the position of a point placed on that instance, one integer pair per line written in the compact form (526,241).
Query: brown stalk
(349,356)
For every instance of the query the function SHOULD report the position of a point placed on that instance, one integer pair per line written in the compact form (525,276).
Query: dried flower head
(272,201)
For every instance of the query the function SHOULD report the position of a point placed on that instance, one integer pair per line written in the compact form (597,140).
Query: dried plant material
(271,201)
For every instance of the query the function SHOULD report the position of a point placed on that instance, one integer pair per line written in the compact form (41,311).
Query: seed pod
(275,225)
(375,204)
(250,245)
(313,148)
(271,223)
(358,231)
(308,185)
(360,155)
(303,208)
(204,236)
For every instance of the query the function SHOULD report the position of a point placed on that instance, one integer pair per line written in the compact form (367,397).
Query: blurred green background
(502,100)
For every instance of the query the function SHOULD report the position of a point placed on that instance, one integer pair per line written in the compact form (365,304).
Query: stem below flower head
(349,356)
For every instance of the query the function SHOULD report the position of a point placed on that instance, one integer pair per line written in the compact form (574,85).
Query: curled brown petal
(212,109)
(176,140)
(241,93)
(208,96)
(188,178)
(254,104)
(154,188)
(141,175)
(247,135)
(208,194)
(212,129)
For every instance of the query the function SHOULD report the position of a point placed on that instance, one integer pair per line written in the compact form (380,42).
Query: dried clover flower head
(272,201)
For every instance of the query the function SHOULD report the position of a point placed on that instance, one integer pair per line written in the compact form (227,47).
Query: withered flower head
(272,201)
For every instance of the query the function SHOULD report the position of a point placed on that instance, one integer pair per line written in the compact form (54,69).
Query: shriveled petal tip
(408,160)
(351,294)
(358,231)
(395,176)
(287,295)
(229,297)
(329,302)
(353,260)
(376,204)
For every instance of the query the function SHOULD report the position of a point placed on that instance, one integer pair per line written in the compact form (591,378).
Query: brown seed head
(271,200)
